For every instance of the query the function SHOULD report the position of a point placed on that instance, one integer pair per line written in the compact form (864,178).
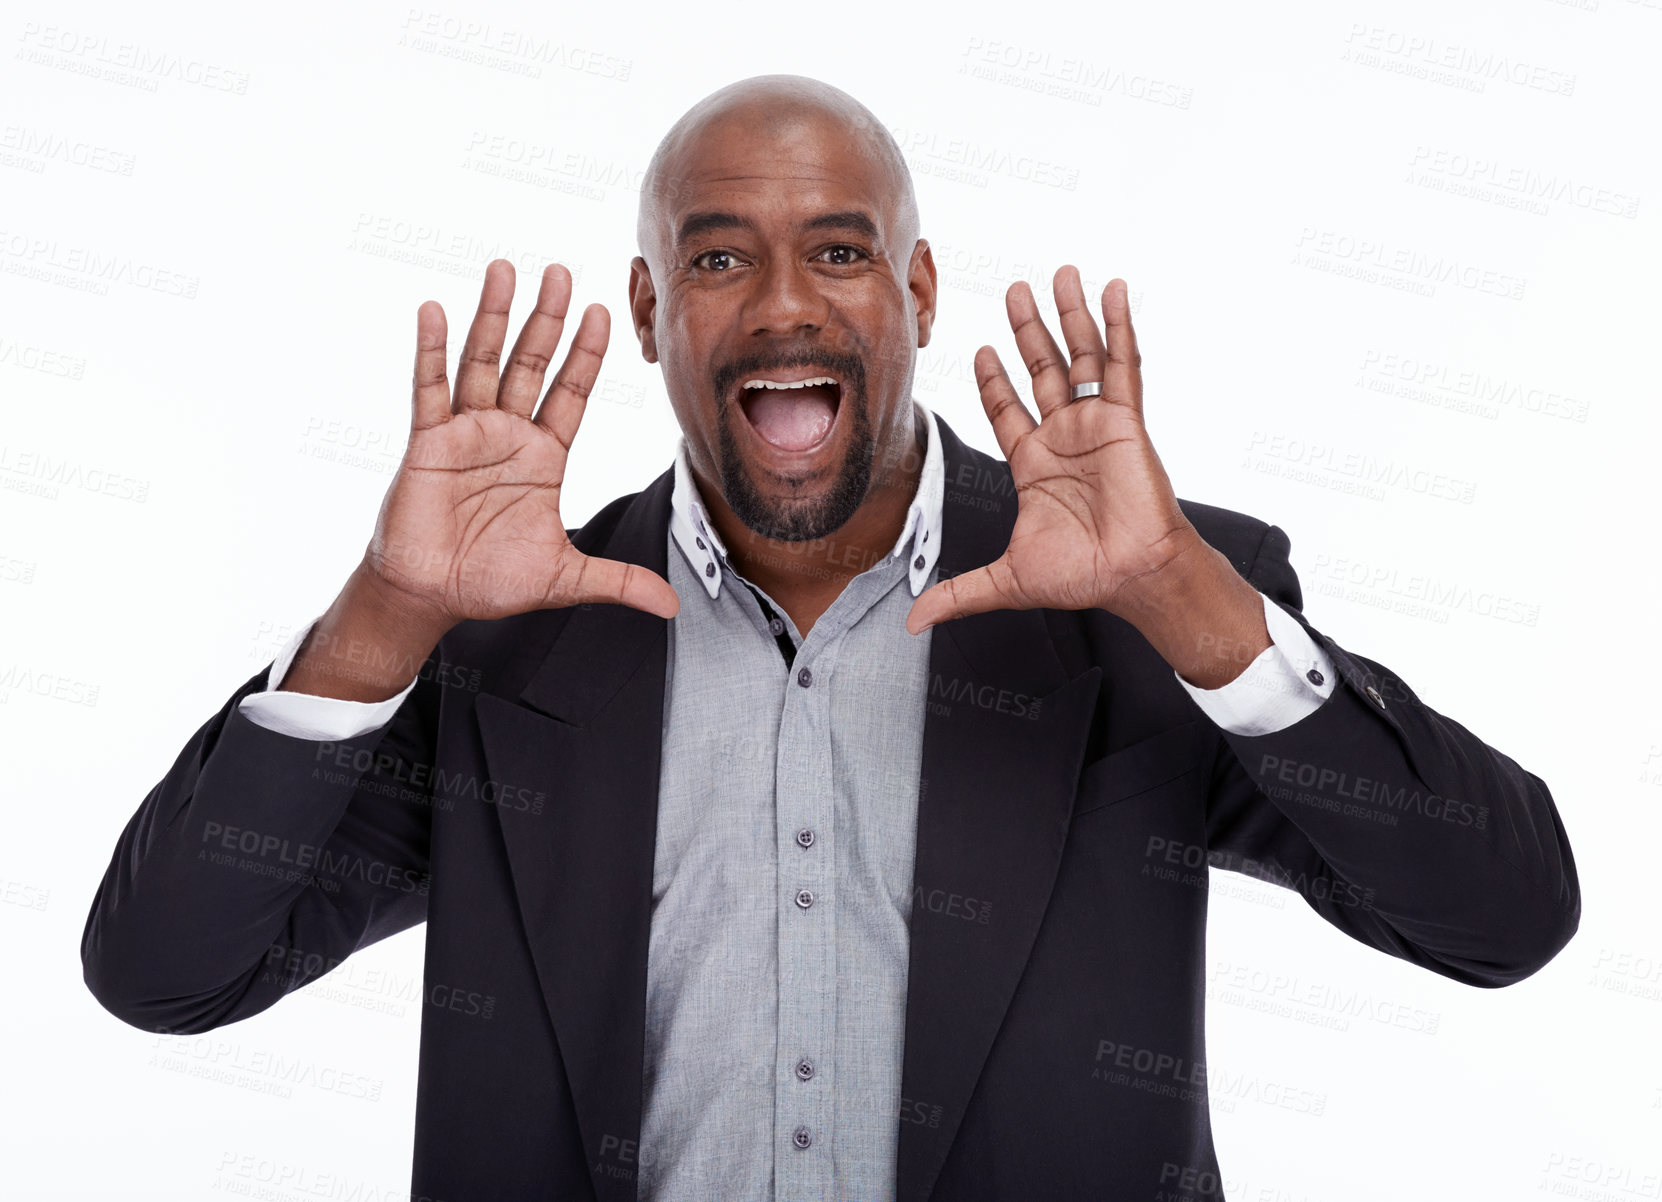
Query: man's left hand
(1097,523)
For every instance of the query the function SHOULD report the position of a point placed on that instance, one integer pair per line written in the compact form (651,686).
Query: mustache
(849,368)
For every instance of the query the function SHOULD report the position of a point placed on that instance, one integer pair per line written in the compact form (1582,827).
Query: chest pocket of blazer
(1141,766)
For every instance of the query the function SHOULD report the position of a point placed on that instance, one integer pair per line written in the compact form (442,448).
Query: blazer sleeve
(258,863)
(1396,824)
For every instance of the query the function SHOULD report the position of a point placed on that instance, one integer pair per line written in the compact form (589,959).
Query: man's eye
(710,259)
(851,253)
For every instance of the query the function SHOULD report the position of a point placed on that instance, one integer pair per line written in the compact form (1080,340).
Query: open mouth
(791,410)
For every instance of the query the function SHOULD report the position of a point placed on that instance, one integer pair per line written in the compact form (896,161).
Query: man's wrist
(368,646)
(1201,616)
(392,606)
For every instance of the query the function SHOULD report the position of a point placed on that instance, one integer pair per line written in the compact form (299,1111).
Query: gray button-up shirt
(782,886)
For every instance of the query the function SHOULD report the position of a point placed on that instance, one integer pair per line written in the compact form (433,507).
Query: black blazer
(1071,798)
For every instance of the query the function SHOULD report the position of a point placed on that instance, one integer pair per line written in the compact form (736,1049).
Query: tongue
(792,419)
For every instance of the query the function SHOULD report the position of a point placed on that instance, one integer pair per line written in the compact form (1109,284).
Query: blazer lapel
(1004,735)
(585,731)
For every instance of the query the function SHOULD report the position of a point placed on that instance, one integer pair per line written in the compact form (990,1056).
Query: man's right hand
(471,526)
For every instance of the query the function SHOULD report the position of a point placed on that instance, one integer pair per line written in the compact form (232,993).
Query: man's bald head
(770,108)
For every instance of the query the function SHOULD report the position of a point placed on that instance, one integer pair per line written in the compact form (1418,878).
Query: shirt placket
(806,848)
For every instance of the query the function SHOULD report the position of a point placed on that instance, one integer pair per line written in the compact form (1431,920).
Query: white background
(1394,269)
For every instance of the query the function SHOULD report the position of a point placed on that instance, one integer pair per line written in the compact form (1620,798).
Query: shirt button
(804,677)
(709,569)
(1315,677)
(1373,696)
(775,626)
(804,898)
(804,1069)
(804,837)
(918,563)
(801,1138)
(699,541)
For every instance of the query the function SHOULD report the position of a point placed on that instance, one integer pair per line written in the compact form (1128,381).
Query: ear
(643,307)
(921,281)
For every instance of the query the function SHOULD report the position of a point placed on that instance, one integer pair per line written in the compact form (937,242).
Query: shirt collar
(920,537)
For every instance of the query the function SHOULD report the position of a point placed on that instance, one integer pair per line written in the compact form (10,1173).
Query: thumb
(972,593)
(611,581)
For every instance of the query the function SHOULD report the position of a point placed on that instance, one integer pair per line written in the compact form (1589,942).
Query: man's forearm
(1399,824)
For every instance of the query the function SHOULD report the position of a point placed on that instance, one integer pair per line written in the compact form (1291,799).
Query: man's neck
(806,577)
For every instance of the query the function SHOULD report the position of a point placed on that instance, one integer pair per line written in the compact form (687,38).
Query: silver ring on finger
(1081,391)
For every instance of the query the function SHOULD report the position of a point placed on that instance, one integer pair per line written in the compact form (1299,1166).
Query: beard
(798,519)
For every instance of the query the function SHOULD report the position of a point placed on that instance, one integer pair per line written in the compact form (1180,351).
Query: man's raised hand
(1097,524)
(1096,519)
(471,527)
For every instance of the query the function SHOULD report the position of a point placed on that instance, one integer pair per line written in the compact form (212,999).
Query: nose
(786,299)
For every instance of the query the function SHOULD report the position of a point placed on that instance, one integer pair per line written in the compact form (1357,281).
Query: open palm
(1095,510)
(471,527)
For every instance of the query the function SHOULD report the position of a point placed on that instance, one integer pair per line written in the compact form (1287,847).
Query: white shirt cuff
(307,716)
(1289,680)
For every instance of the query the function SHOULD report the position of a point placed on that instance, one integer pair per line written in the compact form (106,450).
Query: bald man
(832,817)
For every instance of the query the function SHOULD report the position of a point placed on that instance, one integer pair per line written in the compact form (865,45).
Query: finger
(1123,381)
(1044,359)
(1087,358)
(562,408)
(1010,418)
(980,591)
(477,373)
(430,384)
(609,581)
(534,348)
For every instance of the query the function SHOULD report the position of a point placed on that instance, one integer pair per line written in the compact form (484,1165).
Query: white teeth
(791,384)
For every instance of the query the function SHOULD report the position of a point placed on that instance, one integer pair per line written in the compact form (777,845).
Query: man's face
(779,266)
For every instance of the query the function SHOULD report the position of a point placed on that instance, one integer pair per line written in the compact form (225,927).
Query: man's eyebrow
(695,225)
(848,219)
(698,224)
